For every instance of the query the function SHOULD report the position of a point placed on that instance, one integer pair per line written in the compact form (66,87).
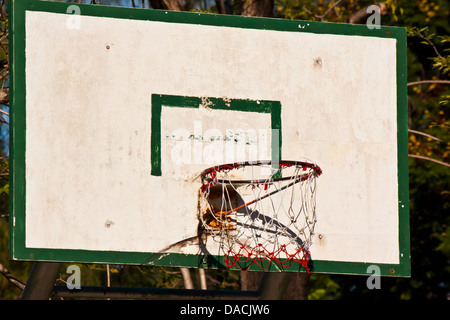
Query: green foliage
(20,270)
(315,10)
(441,62)
(429,200)
(444,238)
(323,287)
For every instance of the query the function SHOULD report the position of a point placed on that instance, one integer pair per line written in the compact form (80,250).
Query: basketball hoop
(257,220)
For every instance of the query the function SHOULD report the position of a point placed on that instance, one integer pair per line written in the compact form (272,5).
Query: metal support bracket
(41,286)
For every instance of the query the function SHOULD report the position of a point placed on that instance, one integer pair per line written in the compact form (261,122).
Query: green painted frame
(17,247)
(259,106)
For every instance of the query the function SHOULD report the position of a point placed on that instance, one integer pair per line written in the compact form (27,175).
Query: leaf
(444,237)
(5,189)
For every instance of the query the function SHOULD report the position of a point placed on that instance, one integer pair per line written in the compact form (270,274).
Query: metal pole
(148,293)
(273,285)
(41,281)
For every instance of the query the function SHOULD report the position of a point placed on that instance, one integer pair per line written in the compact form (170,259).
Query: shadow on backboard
(212,251)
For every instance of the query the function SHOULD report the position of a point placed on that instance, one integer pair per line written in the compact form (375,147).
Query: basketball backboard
(116,114)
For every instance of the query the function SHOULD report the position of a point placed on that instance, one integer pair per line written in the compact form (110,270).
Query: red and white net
(260,212)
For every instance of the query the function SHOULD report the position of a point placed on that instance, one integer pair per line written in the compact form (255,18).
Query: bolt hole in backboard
(207,141)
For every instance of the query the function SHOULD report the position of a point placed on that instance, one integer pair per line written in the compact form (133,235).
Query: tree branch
(220,6)
(428,81)
(19,284)
(4,98)
(360,16)
(427,40)
(333,7)
(425,134)
(429,159)
(175,5)
(188,284)
(257,8)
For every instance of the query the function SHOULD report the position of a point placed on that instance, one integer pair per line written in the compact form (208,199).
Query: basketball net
(260,221)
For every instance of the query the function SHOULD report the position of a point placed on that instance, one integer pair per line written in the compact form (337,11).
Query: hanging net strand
(260,212)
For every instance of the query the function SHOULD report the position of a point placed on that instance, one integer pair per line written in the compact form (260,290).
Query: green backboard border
(17,247)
